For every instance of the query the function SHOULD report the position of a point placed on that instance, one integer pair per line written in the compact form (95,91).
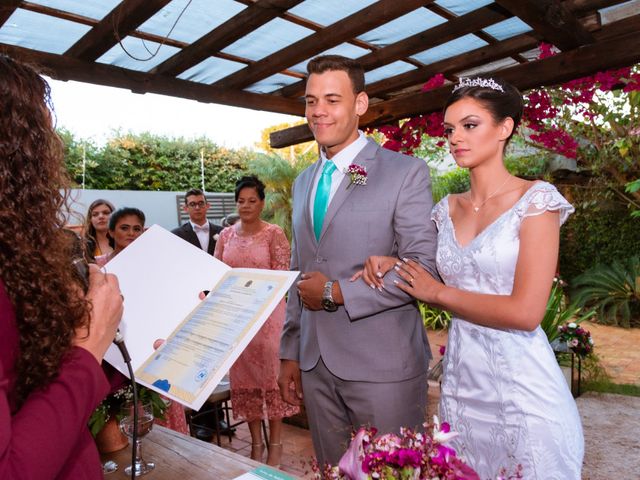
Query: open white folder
(160,277)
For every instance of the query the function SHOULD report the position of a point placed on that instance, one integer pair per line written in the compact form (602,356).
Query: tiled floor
(617,348)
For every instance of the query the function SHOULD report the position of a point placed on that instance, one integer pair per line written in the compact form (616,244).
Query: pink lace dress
(254,376)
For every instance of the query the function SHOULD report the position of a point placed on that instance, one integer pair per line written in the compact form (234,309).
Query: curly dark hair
(35,264)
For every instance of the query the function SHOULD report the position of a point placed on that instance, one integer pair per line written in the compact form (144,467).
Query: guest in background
(96,229)
(125,225)
(198,231)
(253,243)
(201,233)
(52,335)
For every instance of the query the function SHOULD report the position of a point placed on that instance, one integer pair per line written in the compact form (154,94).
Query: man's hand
(290,375)
(310,289)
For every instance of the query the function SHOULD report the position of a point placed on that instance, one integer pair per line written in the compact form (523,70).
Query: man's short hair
(325,63)
(194,192)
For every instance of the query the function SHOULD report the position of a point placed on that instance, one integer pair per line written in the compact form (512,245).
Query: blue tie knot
(328,168)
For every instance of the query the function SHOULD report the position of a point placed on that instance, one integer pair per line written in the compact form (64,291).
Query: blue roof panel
(199,18)
(327,12)
(450,49)
(146,53)
(96,9)
(403,27)
(395,68)
(41,32)
(211,70)
(460,7)
(345,49)
(272,83)
(269,38)
(507,28)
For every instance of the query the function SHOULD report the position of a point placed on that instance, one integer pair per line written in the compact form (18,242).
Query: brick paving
(617,348)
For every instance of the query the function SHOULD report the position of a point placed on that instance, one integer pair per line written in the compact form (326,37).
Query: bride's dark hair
(35,265)
(503,103)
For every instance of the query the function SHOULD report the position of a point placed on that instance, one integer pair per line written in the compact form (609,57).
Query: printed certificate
(202,338)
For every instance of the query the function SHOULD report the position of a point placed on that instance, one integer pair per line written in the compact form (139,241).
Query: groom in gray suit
(356,355)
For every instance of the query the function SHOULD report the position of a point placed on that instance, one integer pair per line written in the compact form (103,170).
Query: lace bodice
(502,390)
(487,263)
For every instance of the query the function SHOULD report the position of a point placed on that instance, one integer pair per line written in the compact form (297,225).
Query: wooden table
(178,456)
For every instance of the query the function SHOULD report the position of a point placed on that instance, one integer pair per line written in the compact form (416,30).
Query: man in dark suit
(198,231)
(203,234)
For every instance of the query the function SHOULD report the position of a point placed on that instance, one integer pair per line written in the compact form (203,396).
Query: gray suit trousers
(339,405)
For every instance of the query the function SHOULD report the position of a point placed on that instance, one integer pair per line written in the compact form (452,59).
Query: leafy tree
(278,176)
(152,162)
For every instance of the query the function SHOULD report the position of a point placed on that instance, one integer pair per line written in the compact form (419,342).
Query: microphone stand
(119,342)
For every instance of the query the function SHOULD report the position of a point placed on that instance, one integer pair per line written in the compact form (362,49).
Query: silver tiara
(479,82)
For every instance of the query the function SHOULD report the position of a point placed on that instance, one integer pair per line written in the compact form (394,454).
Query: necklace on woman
(478,207)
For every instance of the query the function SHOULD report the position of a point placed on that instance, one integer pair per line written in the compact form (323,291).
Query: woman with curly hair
(52,335)
(96,229)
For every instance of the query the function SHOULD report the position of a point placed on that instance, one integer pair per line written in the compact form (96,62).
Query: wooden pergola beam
(360,22)
(551,19)
(6,10)
(252,17)
(117,24)
(67,68)
(454,28)
(615,52)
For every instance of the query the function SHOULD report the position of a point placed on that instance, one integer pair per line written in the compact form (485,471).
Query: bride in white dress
(497,254)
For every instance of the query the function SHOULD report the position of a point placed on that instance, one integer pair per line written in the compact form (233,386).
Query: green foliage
(434,318)
(613,290)
(153,162)
(454,181)
(599,231)
(278,176)
(558,312)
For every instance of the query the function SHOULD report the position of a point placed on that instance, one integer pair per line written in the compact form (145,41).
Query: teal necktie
(322,197)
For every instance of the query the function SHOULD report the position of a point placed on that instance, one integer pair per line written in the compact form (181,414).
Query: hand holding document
(160,276)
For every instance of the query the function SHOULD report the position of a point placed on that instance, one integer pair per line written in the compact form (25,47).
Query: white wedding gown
(502,390)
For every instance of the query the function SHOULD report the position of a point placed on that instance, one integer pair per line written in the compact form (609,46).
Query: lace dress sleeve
(438,212)
(280,249)
(544,197)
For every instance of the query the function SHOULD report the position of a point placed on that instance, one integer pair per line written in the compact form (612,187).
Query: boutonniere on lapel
(357,174)
(216,237)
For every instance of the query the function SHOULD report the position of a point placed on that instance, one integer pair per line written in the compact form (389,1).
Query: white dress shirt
(342,160)
(202,232)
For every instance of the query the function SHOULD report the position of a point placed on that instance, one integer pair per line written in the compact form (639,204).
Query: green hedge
(600,231)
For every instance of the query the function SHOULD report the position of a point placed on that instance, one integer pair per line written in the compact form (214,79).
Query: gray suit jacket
(375,336)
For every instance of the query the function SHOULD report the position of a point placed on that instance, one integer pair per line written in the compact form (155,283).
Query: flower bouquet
(577,339)
(408,456)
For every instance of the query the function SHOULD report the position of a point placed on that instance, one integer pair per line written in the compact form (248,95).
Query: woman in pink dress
(253,243)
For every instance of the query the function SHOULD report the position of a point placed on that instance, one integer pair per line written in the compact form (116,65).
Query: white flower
(440,436)
(216,237)
(573,325)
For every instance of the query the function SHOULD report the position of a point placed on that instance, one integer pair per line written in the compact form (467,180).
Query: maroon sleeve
(39,439)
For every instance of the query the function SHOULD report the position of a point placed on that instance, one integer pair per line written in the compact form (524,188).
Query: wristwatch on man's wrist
(327,297)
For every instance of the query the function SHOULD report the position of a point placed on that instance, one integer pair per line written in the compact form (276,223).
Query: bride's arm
(525,307)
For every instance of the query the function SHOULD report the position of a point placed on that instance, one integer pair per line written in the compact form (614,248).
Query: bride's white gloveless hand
(375,268)
(417,281)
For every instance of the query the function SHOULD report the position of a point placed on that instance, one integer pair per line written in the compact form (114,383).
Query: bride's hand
(417,281)
(375,268)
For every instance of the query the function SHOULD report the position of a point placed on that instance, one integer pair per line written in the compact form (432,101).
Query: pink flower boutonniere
(357,174)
